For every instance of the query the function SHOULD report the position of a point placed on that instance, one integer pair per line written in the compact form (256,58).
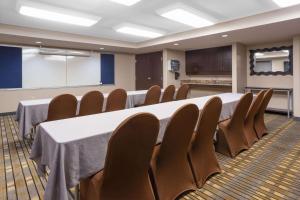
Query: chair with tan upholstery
(230,137)
(182,92)
(168,94)
(170,169)
(259,121)
(116,100)
(249,130)
(125,173)
(62,107)
(152,96)
(91,103)
(202,154)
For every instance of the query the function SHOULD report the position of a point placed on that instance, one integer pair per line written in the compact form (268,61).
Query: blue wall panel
(107,68)
(10,67)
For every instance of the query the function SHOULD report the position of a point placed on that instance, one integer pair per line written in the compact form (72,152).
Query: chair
(168,94)
(249,130)
(202,154)
(182,92)
(230,137)
(62,107)
(91,103)
(170,168)
(259,121)
(152,96)
(116,100)
(125,173)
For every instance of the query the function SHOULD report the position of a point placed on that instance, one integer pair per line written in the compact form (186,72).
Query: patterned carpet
(269,170)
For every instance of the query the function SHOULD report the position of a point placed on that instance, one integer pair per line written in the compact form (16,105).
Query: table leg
(289,104)
(77,192)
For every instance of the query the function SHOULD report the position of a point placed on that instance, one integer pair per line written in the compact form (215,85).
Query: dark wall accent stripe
(107,68)
(10,67)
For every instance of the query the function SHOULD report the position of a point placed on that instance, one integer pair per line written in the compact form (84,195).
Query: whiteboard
(40,71)
(46,71)
(83,70)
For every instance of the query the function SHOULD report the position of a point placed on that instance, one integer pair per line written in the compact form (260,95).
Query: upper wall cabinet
(272,61)
(212,61)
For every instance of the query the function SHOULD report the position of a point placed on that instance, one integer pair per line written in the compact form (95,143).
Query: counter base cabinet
(212,61)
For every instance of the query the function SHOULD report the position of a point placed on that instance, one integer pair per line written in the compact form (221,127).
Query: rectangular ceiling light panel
(56,14)
(126,2)
(187,18)
(137,31)
(286,3)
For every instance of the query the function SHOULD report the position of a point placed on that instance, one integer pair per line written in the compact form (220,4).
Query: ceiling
(249,22)
(144,13)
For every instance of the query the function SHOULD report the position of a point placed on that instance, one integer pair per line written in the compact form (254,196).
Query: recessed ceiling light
(38,42)
(126,2)
(175,44)
(224,36)
(101,48)
(286,3)
(138,31)
(187,18)
(57,14)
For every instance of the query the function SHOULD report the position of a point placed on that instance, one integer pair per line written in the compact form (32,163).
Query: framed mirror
(272,61)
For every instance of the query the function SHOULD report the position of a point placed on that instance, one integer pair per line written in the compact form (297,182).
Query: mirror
(272,61)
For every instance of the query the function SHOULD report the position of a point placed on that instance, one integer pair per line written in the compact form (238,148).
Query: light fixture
(259,54)
(185,17)
(224,36)
(138,31)
(101,48)
(126,2)
(46,12)
(285,51)
(176,44)
(286,3)
(38,42)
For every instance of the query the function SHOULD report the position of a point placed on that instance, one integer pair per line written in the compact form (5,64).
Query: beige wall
(296,70)
(169,77)
(239,64)
(124,78)
(278,101)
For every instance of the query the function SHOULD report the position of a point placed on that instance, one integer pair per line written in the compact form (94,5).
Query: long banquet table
(31,112)
(76,148)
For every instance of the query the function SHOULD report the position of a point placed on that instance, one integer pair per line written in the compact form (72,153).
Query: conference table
(32,112)
(75,148)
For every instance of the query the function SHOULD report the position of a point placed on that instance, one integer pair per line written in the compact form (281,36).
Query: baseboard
(296,118)
(280,112)
(7,113)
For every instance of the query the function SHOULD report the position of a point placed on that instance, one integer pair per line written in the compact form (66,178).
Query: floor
(269,170)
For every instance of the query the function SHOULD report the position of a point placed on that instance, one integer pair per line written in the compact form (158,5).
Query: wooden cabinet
(212,61)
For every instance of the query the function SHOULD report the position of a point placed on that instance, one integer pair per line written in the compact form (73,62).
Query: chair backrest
(130,148)
(207,123)
(91,103)
(178,133)
(240,112)
(263,106)
(62,107)
(116,100)
(168,94)
(153,95)
(182,92)
(254,108)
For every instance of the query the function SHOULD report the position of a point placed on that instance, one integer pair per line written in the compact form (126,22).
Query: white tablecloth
(31,112)
(76,148)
